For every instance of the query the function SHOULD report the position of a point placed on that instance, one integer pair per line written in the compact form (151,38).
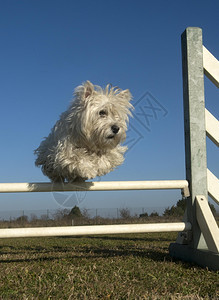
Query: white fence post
(194,123)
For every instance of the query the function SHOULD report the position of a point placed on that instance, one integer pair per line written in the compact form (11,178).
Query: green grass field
(107,267)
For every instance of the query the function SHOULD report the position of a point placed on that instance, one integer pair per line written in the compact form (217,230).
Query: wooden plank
(211,66)
(207,224)
(213,186)
(212,127)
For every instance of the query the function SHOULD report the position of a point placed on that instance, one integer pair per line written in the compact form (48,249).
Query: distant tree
(44,217)
(182,204)
(144,215)
(166,212)
(179,209)
(154,214)
(33,217)
(22,219)
(125,213)
(174,211)
(75,213)
(61,214)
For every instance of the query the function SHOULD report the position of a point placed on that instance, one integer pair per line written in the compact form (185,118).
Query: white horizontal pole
(211,66)
(212,127)
(93,230)
(95,186)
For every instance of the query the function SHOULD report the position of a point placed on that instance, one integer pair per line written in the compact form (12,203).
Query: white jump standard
(197,247)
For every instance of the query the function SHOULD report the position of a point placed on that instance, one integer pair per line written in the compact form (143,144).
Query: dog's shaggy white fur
(85,141)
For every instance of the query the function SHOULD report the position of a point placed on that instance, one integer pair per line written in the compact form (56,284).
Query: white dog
(85,142)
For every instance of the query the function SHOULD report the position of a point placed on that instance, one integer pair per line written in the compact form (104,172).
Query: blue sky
(50,47)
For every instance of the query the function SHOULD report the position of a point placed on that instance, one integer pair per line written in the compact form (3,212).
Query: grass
(107,267)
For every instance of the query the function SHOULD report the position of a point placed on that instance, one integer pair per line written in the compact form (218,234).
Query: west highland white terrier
(85,141)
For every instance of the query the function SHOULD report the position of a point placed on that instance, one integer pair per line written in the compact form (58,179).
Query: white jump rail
(213,186)
(212,127)
(93,230)
(95,186)
(211,66)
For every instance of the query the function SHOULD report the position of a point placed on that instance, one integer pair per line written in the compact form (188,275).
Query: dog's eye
(103,112)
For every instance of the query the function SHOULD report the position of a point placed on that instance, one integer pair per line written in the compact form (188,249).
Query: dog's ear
(83,91)
(124,98)
(126,95)
(88,89)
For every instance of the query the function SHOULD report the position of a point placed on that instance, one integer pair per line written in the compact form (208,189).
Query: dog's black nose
(115,129)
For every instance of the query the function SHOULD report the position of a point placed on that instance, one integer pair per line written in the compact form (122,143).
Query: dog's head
(102,115)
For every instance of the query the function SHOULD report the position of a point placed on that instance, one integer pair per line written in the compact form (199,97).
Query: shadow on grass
(150,249)
(93,254)
(90,254)
(134,239)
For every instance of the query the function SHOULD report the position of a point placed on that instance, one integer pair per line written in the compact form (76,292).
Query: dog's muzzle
(115,129)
